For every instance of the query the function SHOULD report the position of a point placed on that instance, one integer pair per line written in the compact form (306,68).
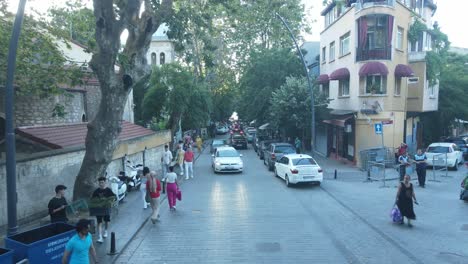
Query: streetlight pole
(308,81)
(12,197)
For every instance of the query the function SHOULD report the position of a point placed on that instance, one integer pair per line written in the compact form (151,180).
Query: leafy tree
(112,18)
(38,56)
(265,74)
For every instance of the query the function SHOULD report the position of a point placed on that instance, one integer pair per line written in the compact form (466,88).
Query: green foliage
(38,56)
(415,30)
(265,74)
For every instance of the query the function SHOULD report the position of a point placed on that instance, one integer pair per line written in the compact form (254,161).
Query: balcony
(372,3)
(373,54)
(415,56)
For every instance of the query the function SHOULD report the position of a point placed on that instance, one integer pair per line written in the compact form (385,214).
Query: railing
(439,163)
(417,56)
(373,54)
(371,3)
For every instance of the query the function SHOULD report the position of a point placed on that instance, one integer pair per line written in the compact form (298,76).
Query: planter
(45,244)
(6,256)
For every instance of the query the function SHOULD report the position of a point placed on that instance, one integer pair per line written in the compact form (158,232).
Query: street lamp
(308,81)
(12,197)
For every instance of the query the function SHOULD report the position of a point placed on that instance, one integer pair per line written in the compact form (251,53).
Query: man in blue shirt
(421,159)
(80,245)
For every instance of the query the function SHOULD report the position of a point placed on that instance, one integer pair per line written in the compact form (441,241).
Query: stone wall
(38,174)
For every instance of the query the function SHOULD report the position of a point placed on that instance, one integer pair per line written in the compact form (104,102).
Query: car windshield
(303,161)
(438,149)
(228,153)
(218,142)
(284,149)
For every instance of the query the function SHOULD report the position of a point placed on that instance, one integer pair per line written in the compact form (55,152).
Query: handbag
(395,215)
(179,195)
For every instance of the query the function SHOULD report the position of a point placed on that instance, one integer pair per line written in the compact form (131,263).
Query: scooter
(118,187)
(133,173)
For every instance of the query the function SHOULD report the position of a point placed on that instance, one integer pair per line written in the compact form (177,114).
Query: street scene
(207,131)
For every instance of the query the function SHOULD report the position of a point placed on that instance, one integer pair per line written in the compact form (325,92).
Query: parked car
(275,152)
(257,140)
(462,143)
(221,130)
(264,144)
(250,136)
(227,159)
(217,143)
(238,140)
(444,153)
(298,168)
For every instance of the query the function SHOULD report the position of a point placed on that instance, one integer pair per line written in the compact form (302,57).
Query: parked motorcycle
(133,172)
(118,187)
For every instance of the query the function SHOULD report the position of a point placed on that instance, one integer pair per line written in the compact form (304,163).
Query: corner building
(373,74)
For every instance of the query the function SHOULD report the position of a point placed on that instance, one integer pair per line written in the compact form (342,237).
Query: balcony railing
(373,54)
(416,56)
(371,3)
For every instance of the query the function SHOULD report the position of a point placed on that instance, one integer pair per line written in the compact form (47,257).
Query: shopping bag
(179,195)
(395,215)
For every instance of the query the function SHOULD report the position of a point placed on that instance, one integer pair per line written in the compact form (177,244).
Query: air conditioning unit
(348,129)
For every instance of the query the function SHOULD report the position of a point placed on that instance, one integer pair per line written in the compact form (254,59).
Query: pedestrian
(144,178)
(403,148)
(298,145)
(404,200)
(172,188)
(104,193)
(166,159)
(199,142)
(188,161)
(80,245)
(404,163)
(57,205)
(180,159)
(421,162)
(153,186)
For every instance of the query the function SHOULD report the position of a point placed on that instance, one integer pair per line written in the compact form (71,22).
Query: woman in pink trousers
(172,188)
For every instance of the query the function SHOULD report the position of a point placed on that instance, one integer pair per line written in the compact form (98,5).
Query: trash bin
(45,244)
(6,256)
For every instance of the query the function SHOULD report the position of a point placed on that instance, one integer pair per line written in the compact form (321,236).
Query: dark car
(217,143)
(461,142)
(238,140)
(275,152)
(264,144)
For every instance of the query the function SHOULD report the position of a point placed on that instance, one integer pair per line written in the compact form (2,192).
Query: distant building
(312,57)
(374,75)
(161,50)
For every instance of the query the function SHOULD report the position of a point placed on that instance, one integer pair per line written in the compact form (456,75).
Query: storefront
(341,137)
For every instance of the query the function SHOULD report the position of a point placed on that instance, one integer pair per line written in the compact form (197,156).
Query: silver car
(227,159)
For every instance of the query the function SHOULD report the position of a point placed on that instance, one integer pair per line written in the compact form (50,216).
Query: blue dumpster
(6,256)
(45,244)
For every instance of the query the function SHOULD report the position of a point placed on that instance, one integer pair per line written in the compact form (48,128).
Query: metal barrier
(379,155)
(439,162)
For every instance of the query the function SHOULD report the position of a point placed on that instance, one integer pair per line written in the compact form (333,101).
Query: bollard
(112,249)
(335,174)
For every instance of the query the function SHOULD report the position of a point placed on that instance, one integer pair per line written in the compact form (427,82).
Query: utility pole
(308,80)
(12,196)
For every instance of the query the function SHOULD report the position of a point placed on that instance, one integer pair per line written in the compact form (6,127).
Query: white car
(221,130)
(444,153)
(297,168)
(227,159)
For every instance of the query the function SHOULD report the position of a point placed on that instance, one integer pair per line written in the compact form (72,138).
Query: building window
(431,89)
(376,84)
(153,58)
(399,38)
(325,89)
(324,54)
(344,87)
(332,51)
(162,58)
(397,86)
(344,44)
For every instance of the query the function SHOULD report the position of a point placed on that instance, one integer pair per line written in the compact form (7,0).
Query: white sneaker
(100,240)
(191,177)
(186,178)
(105,234)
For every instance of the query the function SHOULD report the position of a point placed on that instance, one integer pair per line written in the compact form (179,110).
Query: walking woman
(153,186)
(421,159)
(172,188)
(404,200)
(180,158)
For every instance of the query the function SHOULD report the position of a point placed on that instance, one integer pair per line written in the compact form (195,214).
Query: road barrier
(439,161)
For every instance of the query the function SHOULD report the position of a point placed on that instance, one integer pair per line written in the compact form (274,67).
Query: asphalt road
(253,217)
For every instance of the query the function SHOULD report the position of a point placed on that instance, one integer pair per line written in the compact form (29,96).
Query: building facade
(161,49)
(375,75)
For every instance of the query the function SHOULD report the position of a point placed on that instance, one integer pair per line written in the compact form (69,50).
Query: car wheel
(286,180)
(276,173)
(455,167)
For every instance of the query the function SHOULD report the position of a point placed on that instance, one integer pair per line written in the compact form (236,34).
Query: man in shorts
(103,192)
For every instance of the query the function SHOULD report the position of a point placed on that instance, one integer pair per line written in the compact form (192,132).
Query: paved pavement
(253,218)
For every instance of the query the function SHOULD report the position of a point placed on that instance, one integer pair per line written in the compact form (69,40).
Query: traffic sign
(378,128)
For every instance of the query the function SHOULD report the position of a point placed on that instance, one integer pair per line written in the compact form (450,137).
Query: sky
(451,14)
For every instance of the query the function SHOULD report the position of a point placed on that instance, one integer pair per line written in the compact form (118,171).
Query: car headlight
(218,163)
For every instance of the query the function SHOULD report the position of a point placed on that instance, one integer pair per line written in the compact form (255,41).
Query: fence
(377,155)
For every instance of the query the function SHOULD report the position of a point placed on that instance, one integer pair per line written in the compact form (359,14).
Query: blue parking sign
(378,128)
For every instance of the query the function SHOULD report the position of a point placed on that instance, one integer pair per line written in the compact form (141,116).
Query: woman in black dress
(404,200)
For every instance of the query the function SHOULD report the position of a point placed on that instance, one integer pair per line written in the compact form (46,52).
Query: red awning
(373,68)
(338,122)
(340,74)
(323,79)
(402,70)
